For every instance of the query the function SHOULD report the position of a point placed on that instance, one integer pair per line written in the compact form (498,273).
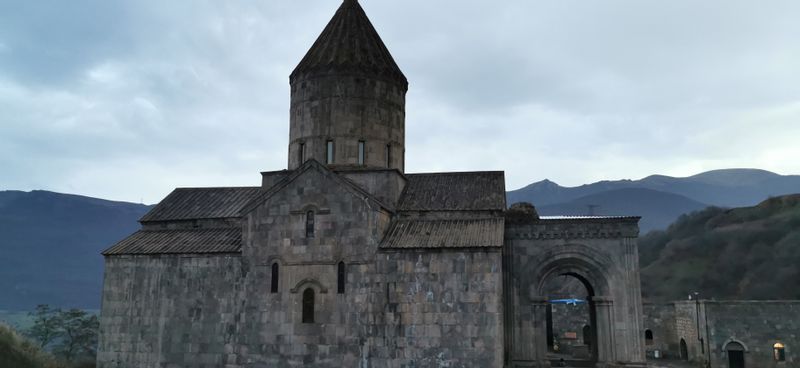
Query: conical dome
(349,44)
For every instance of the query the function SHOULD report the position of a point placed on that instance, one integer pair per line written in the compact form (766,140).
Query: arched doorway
(570,315)
(684,350)
(735,352)
(600,253)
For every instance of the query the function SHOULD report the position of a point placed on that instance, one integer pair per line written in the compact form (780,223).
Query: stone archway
(589,272)
(602,254)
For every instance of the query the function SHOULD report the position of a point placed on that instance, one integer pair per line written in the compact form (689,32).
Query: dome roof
(349,44)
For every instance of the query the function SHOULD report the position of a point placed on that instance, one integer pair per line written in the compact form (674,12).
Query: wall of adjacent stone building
(169,310)
(687,321)
(568,322)
(659,318)
(757,325)
(443,309)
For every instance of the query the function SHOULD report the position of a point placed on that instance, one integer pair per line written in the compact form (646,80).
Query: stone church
(346,260)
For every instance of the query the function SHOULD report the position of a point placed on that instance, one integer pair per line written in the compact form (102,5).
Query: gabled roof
(451,233)
(457,191)
(312,164)
(179,241)
(201,203)
(349,44)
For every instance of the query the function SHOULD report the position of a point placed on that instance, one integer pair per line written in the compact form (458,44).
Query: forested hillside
(741,253)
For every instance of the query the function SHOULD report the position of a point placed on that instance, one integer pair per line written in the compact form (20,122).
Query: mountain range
(50,246)
(659,199)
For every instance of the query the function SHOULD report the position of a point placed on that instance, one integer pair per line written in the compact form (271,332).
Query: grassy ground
(19,352)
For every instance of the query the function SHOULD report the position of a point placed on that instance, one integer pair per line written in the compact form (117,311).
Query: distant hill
(656,208)
(50,246)
(741,253)
(723,188)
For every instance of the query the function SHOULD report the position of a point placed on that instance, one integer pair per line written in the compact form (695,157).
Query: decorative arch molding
(312,207)
(578,250)
(590,266)
(734,341)
(309,282)
(275,259)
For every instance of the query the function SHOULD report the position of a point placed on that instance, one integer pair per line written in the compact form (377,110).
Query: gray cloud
(128,100)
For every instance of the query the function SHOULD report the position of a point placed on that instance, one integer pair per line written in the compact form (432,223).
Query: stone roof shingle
(349,44)
(202,203)
(450,233)
(458,191)
(226,240)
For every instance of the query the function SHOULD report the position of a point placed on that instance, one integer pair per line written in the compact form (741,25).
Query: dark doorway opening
(587,335)
(684,350)
(570,318)
(735,355)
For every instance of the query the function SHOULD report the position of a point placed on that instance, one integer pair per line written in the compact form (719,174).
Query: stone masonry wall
(660,320)
(347,109)
(444,309)
(169,311)
(686,322)
(757,325)
(601,252)
(347,228)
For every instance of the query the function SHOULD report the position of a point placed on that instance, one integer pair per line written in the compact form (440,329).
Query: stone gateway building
(346,260)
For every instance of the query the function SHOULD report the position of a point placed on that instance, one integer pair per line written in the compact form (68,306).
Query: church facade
(345,260)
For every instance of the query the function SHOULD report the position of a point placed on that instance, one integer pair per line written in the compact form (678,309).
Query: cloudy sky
(128,99)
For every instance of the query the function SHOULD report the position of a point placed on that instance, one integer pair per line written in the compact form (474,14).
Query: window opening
(361,152)
(301,153)
(388,155)
(310,224)
(308,306)
(329,152)
(341,276)
(648,337)
(273,287)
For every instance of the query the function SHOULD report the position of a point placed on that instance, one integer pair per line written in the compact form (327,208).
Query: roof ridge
(310,163)
(457,173)
(237,187)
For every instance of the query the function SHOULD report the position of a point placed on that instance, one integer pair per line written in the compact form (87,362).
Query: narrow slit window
(648,337)
(273,287)
(310,224)
(301,153)
(308,306)
(361,152)
(329,152)
(388,155)
(341,277)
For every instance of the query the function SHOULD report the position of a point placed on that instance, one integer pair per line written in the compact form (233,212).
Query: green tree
(46,325)
(71,334)
(78,335)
